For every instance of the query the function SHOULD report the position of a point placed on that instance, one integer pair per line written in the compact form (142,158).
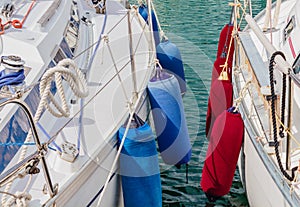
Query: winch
(12,76)
(12,63)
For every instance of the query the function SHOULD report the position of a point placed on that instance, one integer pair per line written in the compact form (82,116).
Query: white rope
(140,2)
(66,70)
(242,95)
(276,13)
(21,200)
(131,111)
(116,69)
(267,23)
(162,34)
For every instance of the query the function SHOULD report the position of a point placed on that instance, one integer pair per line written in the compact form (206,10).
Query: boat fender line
(222,154)
(139,165)
(225,52)
(221,78)
(273,111)
(224,42)
(143,11)
(116,160)
(162,34)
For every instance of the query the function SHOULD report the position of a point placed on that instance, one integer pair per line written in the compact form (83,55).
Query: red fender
(222,154)
(217,68)
(220,99)
(224,40)
(223,48)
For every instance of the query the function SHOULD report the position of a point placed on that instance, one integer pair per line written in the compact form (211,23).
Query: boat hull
(264,186)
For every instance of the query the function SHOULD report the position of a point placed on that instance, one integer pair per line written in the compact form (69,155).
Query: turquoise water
(194,27)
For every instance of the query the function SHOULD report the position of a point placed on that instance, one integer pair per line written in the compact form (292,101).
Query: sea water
(194,26)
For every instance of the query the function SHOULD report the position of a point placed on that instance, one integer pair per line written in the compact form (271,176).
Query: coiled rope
(14,78)
(273,111)
(64,70)
(67,70)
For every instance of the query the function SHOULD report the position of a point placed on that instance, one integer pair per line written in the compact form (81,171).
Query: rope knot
(242,94)
(105,38)
(65,70)
(21,199)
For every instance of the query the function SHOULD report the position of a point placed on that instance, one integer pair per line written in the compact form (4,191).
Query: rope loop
(16,23)
(157,63)
(68,71)
(21,199)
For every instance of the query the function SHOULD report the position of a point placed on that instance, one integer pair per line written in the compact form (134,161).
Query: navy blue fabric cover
(143,10)
(169,57)
(169,120)
(139,168)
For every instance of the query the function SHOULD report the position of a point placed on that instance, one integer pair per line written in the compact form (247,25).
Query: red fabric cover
(222,154)
(217,68)
(223,47)
(220,99)
(224,40)
(216,89)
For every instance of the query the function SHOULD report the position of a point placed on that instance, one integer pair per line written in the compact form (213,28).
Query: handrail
(42,149)
(283,66)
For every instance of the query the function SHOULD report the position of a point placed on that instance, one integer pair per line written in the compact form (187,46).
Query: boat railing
(259,77)
(283,66)
(39,155)
(259,68)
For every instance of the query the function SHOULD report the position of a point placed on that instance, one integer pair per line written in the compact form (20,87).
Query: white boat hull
(261,175)
(114,51)
(262,182)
